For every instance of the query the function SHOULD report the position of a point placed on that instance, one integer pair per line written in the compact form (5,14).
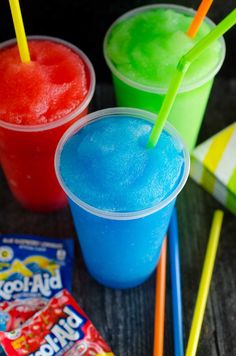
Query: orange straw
(159,318)
(199,17)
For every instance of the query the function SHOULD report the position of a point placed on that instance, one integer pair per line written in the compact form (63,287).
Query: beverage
(121,194)
(39,101)
(142,49)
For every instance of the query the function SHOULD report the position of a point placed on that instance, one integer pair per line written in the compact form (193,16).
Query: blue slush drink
(121,194)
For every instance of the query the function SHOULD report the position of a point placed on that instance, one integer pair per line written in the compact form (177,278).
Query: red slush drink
(38,102)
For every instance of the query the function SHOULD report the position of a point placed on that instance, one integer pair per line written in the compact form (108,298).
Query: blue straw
(176,285)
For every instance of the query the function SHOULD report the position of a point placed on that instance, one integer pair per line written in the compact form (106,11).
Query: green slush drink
(142,49)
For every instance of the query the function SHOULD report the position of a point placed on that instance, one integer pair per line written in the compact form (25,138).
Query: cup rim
(99,115)
(161,89)
(75,112)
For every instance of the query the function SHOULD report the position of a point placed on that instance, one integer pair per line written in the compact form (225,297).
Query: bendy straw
(182,68)
(20,31)
(205,283)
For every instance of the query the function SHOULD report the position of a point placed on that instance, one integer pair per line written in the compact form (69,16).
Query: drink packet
(213,166)
(15,313)
(32,270)
(60,328)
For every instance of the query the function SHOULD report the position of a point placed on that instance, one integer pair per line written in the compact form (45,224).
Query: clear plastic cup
(27,151)
(121,250)
(188,110)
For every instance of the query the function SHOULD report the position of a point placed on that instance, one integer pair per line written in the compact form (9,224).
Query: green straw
(182,68)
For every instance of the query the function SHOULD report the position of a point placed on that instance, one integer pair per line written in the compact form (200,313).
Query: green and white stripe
(214,166)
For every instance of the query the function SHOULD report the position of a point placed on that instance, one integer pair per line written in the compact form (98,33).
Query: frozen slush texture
(107,165)
(48,88)
(147,47)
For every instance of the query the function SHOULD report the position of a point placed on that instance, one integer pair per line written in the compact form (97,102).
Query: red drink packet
(60,328)
(19,311)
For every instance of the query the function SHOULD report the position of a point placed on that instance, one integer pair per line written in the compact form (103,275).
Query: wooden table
(125,318)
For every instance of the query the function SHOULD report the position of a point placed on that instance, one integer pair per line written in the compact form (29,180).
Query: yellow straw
(20,31)
(205,283)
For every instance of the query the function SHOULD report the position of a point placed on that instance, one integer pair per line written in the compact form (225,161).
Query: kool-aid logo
(43,284)
(67,330)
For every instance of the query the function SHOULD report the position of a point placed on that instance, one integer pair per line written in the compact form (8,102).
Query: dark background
(84,23)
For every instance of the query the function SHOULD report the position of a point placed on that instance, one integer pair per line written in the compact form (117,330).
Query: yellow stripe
(208,181)
(216,150)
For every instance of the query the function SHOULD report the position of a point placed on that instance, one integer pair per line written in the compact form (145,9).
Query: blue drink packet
(34,267)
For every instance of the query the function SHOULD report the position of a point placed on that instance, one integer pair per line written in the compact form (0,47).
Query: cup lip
(99,115)
(75,112)
(161,89)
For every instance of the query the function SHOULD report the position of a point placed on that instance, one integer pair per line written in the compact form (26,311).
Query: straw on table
(159,316)
(205,283)
(174,259)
